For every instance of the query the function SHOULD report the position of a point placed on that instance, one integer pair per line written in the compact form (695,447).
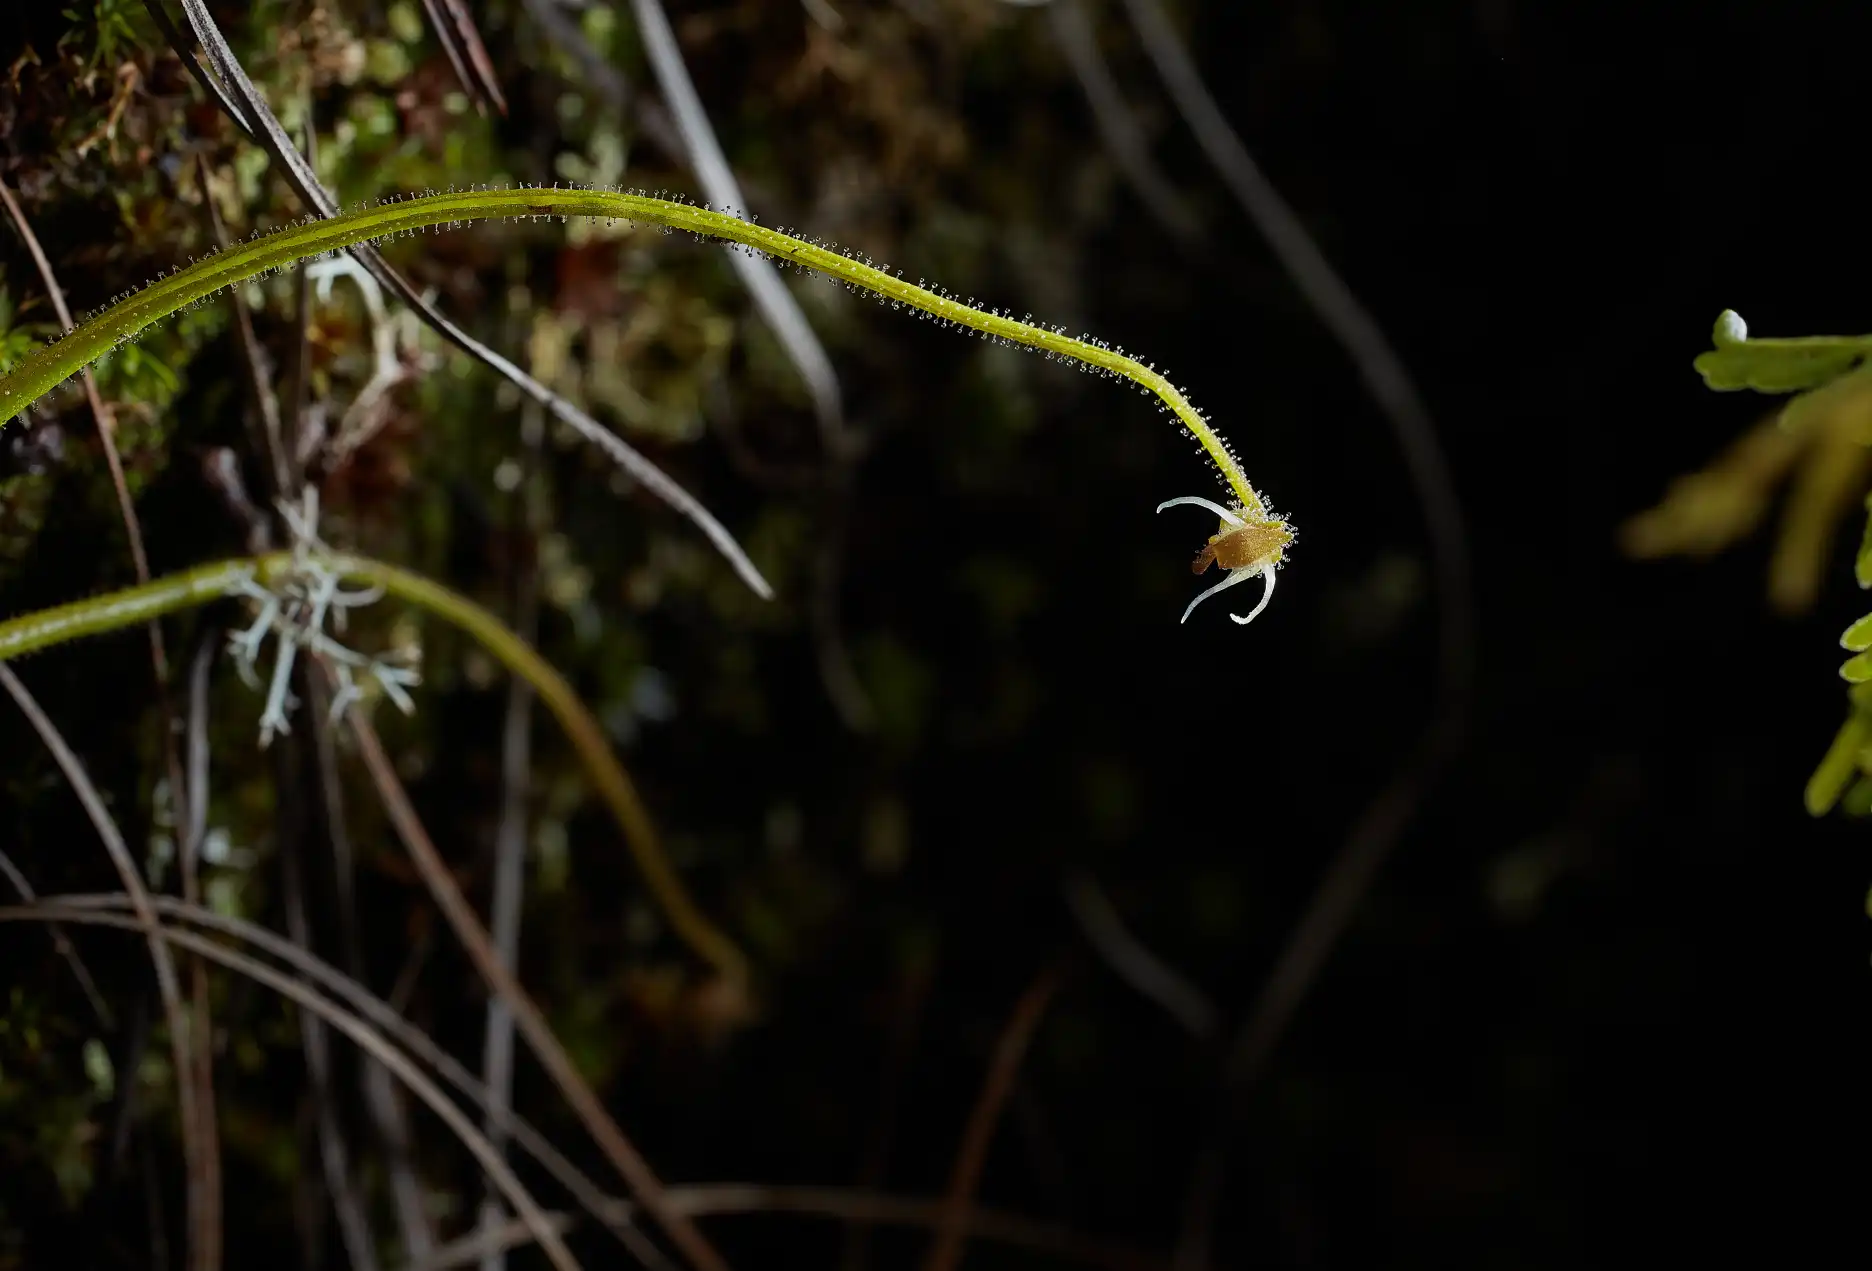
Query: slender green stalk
(588,739)
(114,611)
(47,366)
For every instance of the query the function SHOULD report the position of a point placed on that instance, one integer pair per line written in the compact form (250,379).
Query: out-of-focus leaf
(1858,800)
(1704,512)
(1838,768)
(1821,438)
(1858,637)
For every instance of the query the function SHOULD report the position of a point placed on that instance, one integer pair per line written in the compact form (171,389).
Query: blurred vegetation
(1819,443)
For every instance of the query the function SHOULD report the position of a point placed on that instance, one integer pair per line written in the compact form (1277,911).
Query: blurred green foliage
(1818,441)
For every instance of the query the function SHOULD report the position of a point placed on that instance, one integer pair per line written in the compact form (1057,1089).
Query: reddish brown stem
(645,1186)
(965,1177)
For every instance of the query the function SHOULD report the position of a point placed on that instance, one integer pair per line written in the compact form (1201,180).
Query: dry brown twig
(644,1185)
(467,54)
(965,1177)
(382,1016)
(100,415)
(351,1026)
(203,1181)
(201,1071)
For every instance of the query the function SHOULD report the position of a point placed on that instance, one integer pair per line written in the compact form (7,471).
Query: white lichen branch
(390,367)
(295,611)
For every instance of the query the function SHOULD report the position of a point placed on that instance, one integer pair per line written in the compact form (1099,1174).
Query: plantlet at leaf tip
(1248,545)
(1252,539)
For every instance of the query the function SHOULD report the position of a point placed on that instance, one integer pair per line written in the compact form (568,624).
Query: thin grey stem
(599,73)
(1117,123)
(467,54)
(382,1102)
(334,1152)
(720,187)
(1134,963)
(510,839)
(193,64)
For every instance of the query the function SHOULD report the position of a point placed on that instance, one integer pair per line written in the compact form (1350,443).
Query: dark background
(1607,1003)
